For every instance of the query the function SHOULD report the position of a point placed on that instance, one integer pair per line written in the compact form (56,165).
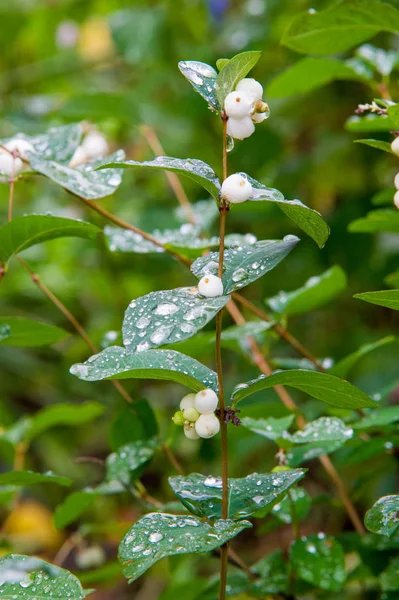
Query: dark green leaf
(167,316)
(27,332)
(389,578)
(116,363)
(158,535)
(346,364)
(385,146)
(340,27)
(247,496)
(195,169)
(63,415)
(245,264)
(316,292)
(301,454)
(271,428)
(273,576)
(295,506)
(24,478)
(23,232)
(127,463)
(203,79)
(76,503)
(233,71)
(319,560)
(322,386)
(34,579)
(377,221)
(383,516)
(378,418)
(387,298)
(135,421)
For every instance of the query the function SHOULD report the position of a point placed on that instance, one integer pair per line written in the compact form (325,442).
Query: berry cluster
(14,157)
(244,108)
(395,150)
(197,415)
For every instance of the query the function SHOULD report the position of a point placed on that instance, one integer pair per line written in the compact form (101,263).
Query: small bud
(206,401)
(396,199)
(210,286)
(238,105)
(207,426)
(280,469)
(189,431)
(95,145)
(239,129)
(190,414)
(9,165)
(236,189)
(20,146)
(252,87)
(178,418)
(187,401)
(396,181)
(395,146)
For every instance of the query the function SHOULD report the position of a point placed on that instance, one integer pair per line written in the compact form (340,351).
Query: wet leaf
(24,478)
(383,516)
(23,232)
(205,214)
(34,579)
(298,455)
(273,576)
(245,264)
(117,363)
(233,71)
(377,221)
(319,560)
(346,364)
(58,143)
(325,429)
(295,506)
(271,428)
(203,79)
(383,61)
(387,298)
(128,462)
(158,535)
(321,386)
(70,415)
(167,316)
(27,332)
(378,418)
(247,496)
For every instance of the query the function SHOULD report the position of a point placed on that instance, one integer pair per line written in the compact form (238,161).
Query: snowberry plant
(215,507)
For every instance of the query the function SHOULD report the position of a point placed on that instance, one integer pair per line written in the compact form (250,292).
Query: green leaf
(369,122)
(27,332)
(203,79)
(321,386)
(325,429)
(298,455)
(31,578)
(393,114)
(205,214)
(58,143)
(387,298)
(158,535)
(346,364)
(136,421)
(273,576)
(167,316)
(70,415)
(383,516)
(309,74)
(340,27)
(271,428)
(378,419)
(389,578)
(24,478)
(116,363)
(377,221)
(247,496)
(195,169)
(316,292)
(245,264)
(127,464)
(307,219)
(385,146)
(233,71)
(84,181)
(319,560)
(383,61)
(297,501)
(23,232)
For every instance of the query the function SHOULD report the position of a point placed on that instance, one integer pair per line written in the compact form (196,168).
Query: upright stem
(11,194)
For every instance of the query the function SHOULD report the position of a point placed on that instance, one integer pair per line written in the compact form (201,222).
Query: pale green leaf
(383,516)
(27,332)
(233,71)
(369,122)
(378,144)
(203,79)
(65,415)
(58,143)
(378,419)
(377,221)
(387,298)
(25,478)
(127,463)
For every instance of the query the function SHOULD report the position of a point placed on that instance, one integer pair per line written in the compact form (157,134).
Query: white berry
(95,145)
(206,401)
(21,147)
(396,181)
(238,105)
(236,189)
(79,157)
(259,117)
(190,432)
(239,129)
(252,87)
(207,426)
(210,286)
(395,146)
(9,165)
(396,199)
(191,414)
(187,402)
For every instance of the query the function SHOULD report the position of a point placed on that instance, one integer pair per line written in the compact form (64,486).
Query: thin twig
(11,194)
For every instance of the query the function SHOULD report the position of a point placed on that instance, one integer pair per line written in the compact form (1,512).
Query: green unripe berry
(178,418)
(191,414)
(280,469)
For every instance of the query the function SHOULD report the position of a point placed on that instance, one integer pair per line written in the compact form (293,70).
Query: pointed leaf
(195,169)
(383,516)
(377,221)
(24,478)
(158,535)
(378,419)
(23,232)
(378,144)
(297,501)
(116,363)
(233,71)
(27,332)
(325,429)
(322,386)
(203,79)
(298,455)
(167,316)
(387,298)
(346,364)
(62,415)
(127,464)
(319,560)
(245,264)
(31,578)
(83,181)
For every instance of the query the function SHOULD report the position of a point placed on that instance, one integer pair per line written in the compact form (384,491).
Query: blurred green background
(114,63)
